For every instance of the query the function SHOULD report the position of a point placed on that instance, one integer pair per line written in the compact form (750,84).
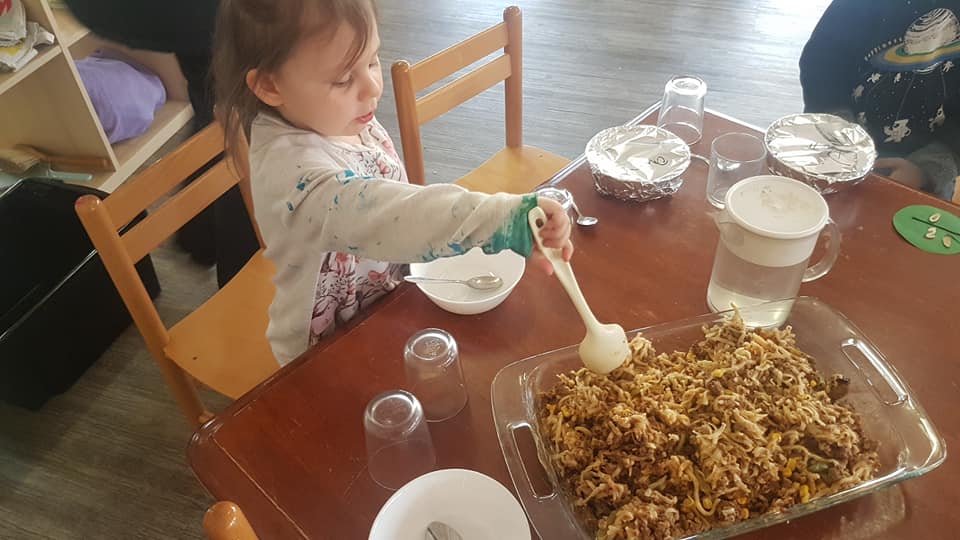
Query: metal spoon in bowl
(438,530)
(488,282)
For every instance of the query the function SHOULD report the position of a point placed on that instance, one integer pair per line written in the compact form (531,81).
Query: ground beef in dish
(668,445)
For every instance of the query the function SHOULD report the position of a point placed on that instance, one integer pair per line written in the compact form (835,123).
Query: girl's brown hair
(261,35)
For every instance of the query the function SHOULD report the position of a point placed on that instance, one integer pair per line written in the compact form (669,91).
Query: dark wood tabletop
(291,452)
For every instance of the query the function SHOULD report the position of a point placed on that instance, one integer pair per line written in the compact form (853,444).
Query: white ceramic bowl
(475,505)
(459,298)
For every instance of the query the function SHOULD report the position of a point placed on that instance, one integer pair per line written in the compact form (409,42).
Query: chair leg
(184,392)
(225,521)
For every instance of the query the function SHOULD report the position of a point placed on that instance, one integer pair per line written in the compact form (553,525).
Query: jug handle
(833,250)
(723,221)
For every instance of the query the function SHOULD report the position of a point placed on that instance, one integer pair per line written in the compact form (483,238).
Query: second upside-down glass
(432,364)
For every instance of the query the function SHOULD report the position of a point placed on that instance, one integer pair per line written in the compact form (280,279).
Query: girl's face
(313,91)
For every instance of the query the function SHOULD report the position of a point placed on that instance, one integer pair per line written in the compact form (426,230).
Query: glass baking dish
(909,444)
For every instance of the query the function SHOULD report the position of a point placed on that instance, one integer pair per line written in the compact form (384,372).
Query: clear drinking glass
(434,375)
(733,157)
(562,196)
(681,111)
(399,447)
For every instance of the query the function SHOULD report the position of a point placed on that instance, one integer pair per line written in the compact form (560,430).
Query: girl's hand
(555,233)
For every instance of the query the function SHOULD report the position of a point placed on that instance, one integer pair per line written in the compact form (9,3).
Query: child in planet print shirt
(331,197)
(891,66)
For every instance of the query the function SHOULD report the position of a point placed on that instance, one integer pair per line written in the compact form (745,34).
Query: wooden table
(291,452)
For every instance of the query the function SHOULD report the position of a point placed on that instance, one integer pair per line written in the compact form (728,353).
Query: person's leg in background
(198,237)
(222,233)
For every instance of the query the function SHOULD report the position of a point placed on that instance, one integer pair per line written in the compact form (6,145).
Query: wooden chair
(516,168)
(225,521)
(222,344)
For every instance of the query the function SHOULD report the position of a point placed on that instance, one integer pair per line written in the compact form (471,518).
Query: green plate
(914,223)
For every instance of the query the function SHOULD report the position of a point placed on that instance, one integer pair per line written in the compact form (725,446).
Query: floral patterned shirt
(347,282)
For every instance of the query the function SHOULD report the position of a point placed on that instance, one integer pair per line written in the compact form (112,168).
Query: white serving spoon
(605,346)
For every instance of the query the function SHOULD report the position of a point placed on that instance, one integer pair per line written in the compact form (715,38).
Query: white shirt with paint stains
(340,221)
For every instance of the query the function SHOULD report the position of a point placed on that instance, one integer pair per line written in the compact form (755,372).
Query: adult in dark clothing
(182,27)
(222,233)
(893,67)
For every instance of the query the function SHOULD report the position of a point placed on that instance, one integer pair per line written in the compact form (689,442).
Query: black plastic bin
(59,311)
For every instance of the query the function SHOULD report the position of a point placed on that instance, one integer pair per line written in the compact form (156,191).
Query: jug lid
(777,207)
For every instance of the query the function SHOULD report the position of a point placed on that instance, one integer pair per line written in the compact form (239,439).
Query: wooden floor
(106,459)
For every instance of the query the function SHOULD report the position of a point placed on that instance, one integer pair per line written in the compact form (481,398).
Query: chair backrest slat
(145,236)
(449,96)
(104,219)
(147,187)
(104,236)
(452,59)
(410,79)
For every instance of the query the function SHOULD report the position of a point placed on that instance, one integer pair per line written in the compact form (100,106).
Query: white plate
(477,506)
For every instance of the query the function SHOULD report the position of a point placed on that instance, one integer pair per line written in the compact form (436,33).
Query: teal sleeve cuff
(515,233)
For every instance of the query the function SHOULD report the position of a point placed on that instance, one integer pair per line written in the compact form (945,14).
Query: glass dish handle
(546,511)
(523,482)
(893,392)
(924,449)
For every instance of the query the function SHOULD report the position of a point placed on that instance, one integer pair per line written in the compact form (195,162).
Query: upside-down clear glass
(399,447)
(681,111)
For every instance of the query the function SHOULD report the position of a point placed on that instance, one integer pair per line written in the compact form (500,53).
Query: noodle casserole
(710,429)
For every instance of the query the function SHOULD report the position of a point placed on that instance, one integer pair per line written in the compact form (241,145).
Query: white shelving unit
(44,104)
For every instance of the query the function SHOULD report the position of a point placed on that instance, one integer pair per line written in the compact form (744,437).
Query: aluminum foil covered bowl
(823,150)
(637,163)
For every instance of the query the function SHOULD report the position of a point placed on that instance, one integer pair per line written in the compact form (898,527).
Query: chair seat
(514,170)
(237,357)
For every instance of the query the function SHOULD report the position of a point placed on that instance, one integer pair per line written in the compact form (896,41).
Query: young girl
(338,218)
